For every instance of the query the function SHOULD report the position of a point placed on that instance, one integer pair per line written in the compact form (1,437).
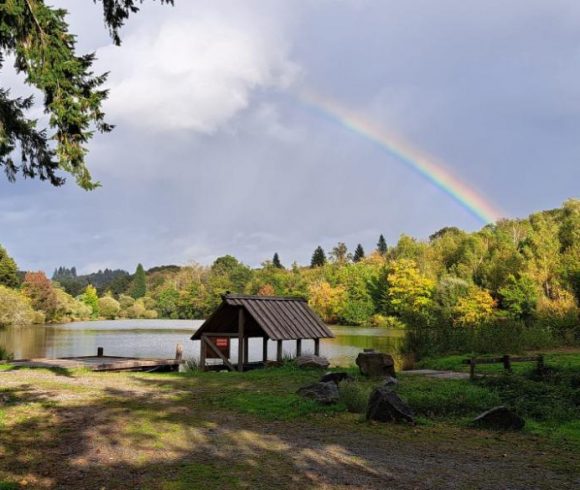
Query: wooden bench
(505,360)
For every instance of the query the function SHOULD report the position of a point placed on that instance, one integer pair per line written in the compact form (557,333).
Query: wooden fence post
(298,347)
(507,365)
(100,352)
(316,347)
(178,352)
(472,368)
(541,364)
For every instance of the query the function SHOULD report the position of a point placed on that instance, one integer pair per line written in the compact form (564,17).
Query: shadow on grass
(170,432)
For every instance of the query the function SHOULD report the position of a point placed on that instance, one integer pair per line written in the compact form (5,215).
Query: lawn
(250,430)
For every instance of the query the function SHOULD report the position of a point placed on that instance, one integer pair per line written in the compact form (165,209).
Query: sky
(217,150)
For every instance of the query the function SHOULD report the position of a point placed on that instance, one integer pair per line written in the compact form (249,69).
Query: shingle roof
(281,318)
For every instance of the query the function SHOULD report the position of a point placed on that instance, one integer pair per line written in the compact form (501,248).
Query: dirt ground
(142,431)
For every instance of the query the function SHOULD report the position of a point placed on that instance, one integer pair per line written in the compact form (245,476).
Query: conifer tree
(382,245)
(359,253)
(139,287)
(36,36)
(318,258)
(276,261)
(8,270)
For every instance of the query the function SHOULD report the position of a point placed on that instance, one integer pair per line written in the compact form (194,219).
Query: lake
(158,338)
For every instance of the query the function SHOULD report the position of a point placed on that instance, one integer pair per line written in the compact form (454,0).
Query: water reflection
(158,338)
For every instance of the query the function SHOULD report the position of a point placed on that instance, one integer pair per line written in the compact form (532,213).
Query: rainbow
(415,159)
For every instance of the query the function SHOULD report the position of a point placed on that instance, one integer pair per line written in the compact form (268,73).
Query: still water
(158,338)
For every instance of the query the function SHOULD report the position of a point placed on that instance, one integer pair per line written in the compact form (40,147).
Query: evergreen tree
(318,258)
(276,261)
(8,270)
(139,287)
(359,253)
(37,37)
(382,245)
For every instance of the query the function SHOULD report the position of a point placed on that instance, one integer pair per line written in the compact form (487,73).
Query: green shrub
(355,396)
(4,354)
(109,307)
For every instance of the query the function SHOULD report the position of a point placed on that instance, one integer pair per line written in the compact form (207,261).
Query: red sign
(223,345)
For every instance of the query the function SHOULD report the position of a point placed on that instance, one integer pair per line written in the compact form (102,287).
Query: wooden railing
(505,360)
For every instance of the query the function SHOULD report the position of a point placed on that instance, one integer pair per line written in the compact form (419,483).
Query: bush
(109,307)
(499,336)
(4,354)
(382,321)
(150,314)
(355,396)
(15,308)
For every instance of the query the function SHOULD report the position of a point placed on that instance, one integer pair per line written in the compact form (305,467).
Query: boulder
(325,393)
(386,406)
(376,364)
(312,361)
(499,418)
(335,377)
(390,381)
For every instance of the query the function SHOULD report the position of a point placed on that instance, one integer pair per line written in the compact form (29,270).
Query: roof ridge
(263,298)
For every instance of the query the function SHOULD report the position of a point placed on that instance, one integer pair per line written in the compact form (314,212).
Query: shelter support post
(316,347)
(241,342)
(202,354)
(246,350)
(279,351)
(265,349)
(298,347)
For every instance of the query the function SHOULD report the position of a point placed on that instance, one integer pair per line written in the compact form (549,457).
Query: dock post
(100,352)
(179,352)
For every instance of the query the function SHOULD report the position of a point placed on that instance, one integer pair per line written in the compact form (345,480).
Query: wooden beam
(100,352)
(221,334)
(279,351)
(316,347)
(241,321)
(264,349)
(298,347)
(219,353)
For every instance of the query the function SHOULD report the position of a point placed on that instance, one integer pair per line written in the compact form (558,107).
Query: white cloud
(194,72)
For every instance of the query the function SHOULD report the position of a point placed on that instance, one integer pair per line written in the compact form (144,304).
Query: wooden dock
(100,362)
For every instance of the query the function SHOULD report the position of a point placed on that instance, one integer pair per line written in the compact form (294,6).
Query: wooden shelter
(268,317)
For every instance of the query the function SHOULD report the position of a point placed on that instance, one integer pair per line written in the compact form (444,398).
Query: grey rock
(376,364)
(312,361)
(335,377)
(325,393)
(499,418)
(386,406)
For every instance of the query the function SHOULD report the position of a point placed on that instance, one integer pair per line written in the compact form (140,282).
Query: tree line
(517,270)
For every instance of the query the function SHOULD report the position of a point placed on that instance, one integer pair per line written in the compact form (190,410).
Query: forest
(517,279)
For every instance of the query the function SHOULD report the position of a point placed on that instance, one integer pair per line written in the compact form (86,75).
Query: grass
(174,431)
